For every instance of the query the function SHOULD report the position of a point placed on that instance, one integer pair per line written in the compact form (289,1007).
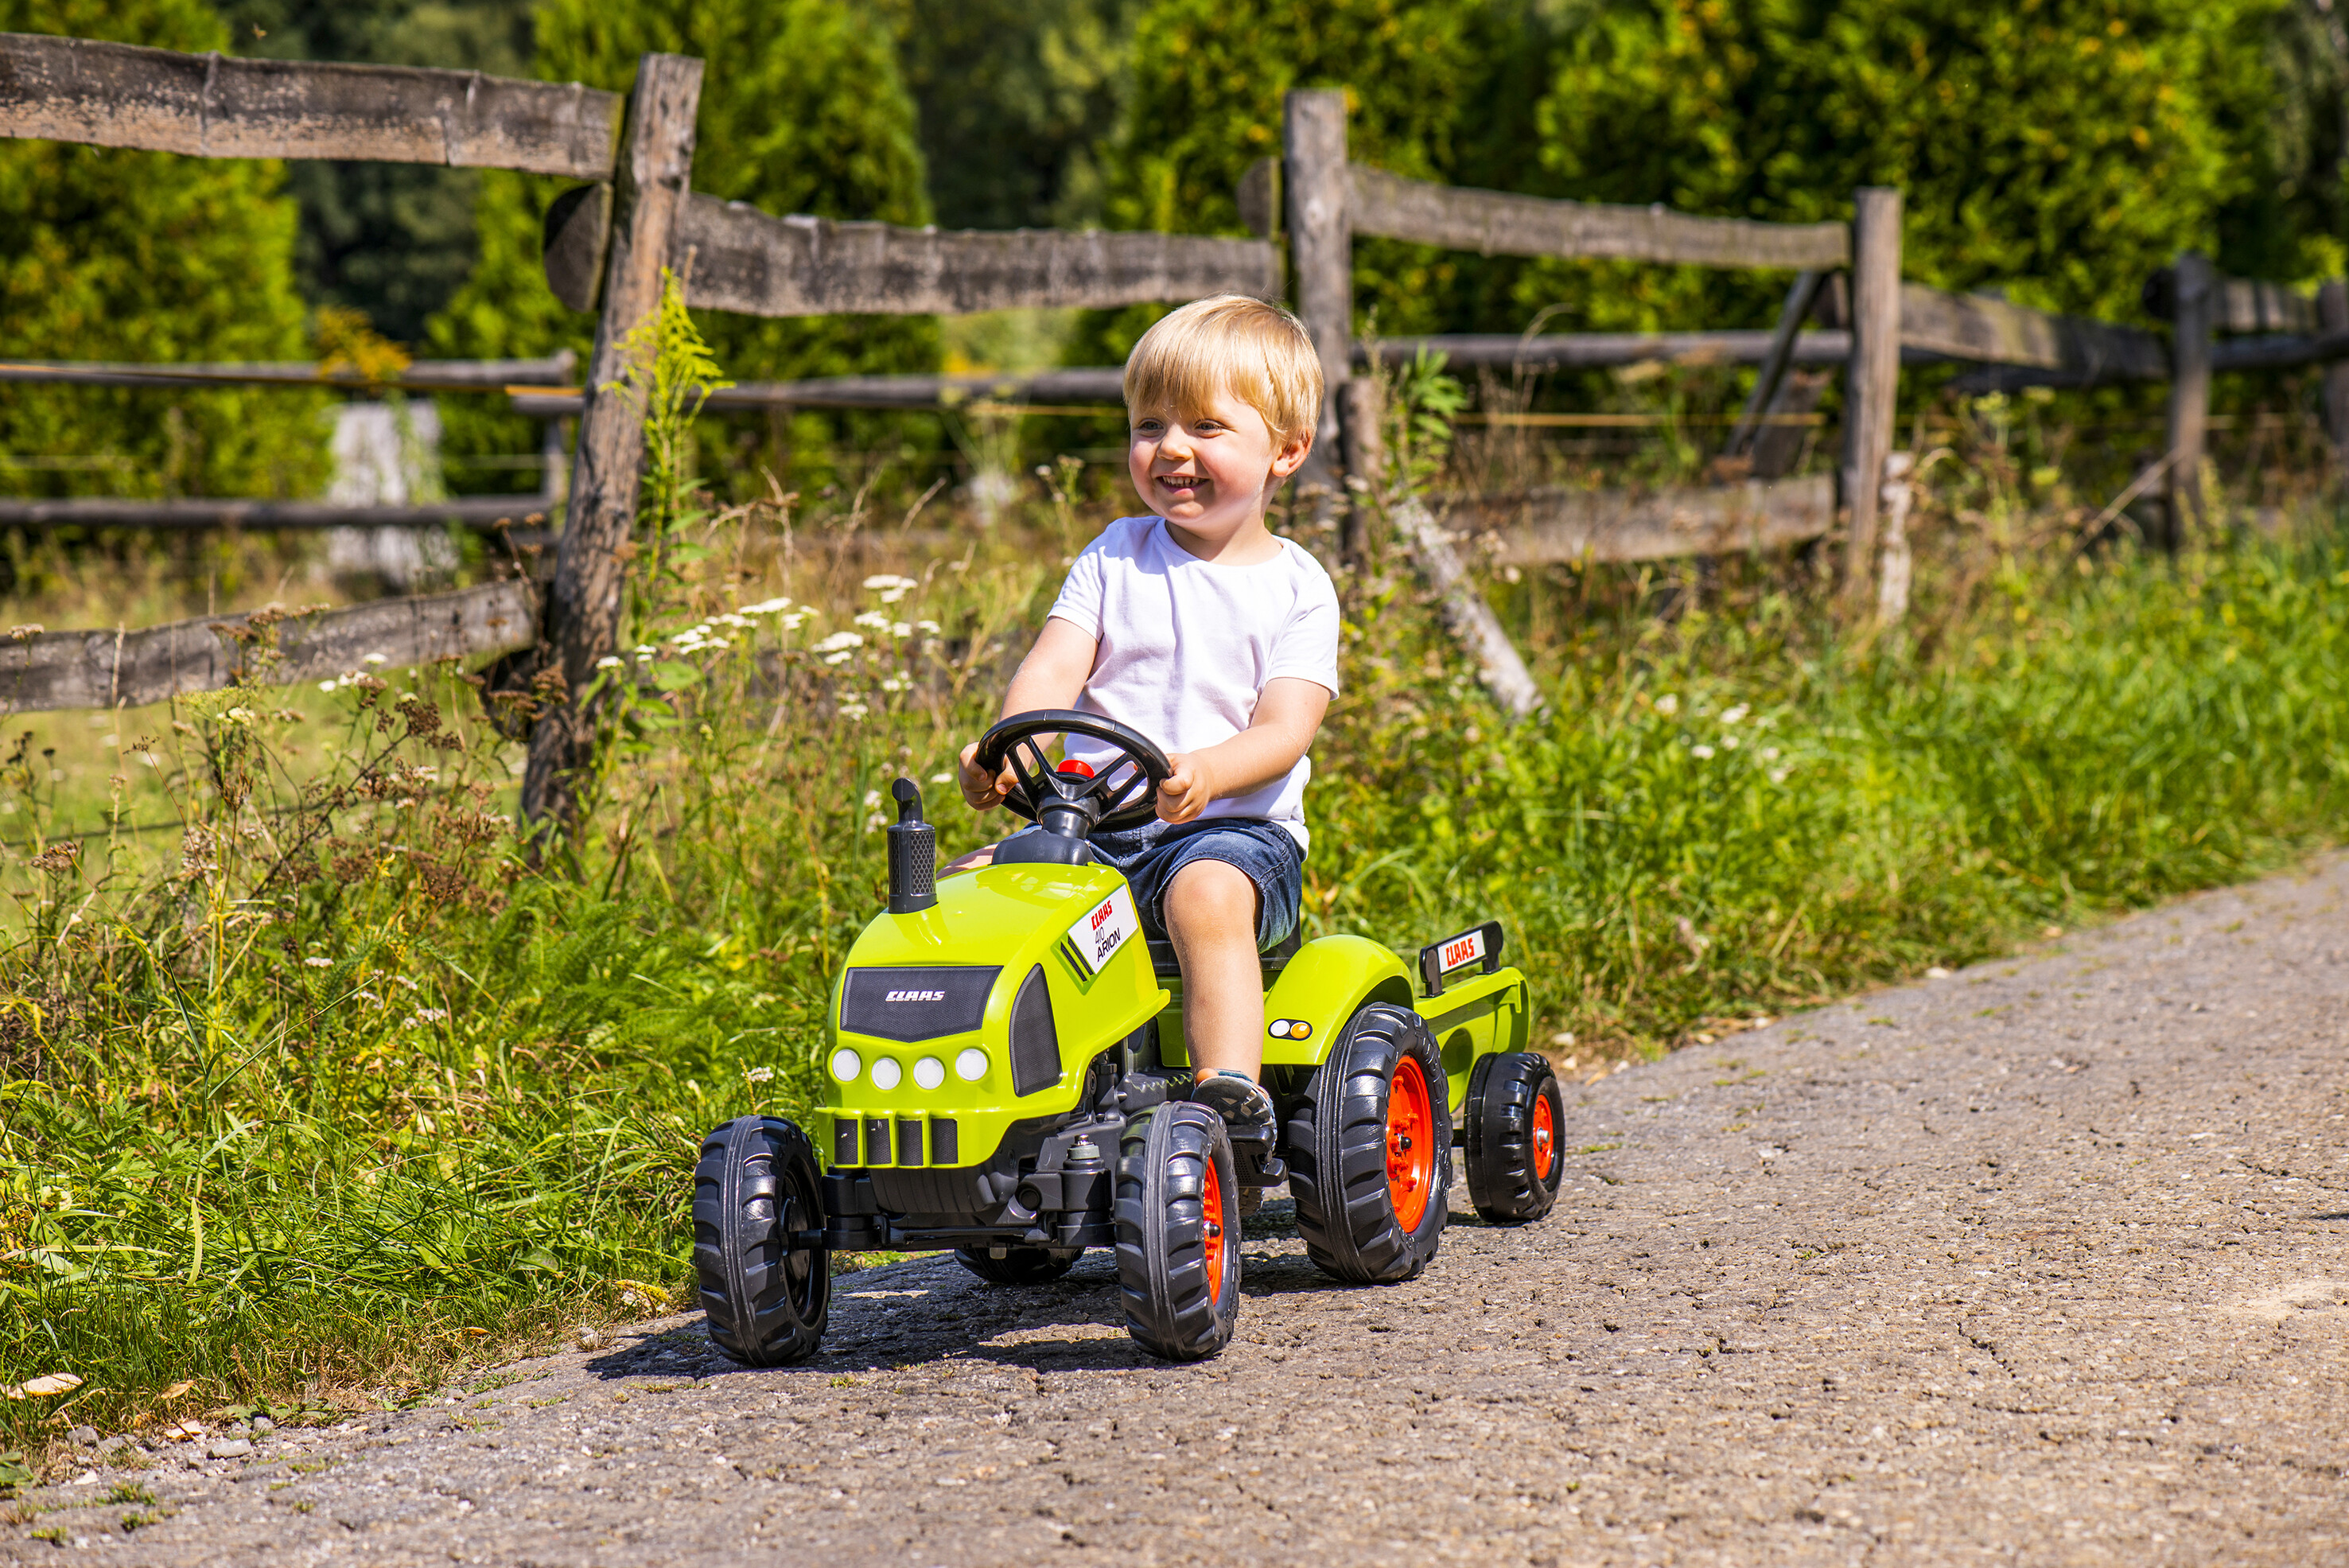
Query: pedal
(1258,1171)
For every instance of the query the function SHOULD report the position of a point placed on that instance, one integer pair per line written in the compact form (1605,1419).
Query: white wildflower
(840,642)
(1668,704)
(930,626)
(403,979)
(1778,775)
(318,963)
(871,798)
(942,778)
(875,823)
(901,630)
(873,619)
(853,709)
(609,661)
(1729,743)
(793,622)
(326,685)
(425,1015)
(1769,754)
(739,622)
(887,580)
(370,996)
(375,659)
(897,684)
(759,1075)
(837,658)
(767,607)
(1701,751)
(1734,714)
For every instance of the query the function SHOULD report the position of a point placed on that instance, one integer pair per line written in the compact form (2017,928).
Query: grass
(320,1095)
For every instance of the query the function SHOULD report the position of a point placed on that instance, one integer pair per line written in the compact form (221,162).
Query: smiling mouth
(1180,480)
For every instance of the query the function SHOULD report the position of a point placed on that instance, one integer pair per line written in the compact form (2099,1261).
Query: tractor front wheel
(754,1190)
(1019,1265)
(1179,1231)
(1369,1150)
(1515,1114)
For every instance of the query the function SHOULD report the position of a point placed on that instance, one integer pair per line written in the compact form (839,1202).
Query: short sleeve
(1079,602)
(1307,647)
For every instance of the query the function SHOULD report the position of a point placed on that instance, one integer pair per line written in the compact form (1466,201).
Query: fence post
(1874,385)
(582,609)
(2333,316)
(1320,254)
(2189,393)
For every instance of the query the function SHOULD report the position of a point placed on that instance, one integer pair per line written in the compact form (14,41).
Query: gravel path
(2044,1262)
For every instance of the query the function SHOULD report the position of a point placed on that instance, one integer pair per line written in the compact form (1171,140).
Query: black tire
(1513,1113)
(1021,1266)
(1179,1231)
(1337,1146)
(754,1187)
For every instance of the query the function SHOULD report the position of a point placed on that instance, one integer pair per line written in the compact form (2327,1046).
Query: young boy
(1205,631)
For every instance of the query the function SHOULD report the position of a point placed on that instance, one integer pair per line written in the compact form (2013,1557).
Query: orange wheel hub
(1545,1137)
(1410,1143)
(1211,1223)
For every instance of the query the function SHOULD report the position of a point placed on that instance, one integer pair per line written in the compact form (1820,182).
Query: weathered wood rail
(1494,222)
(418,376)
(124,669)
(215,106)
(1553,525)
(483,513)
(745,260)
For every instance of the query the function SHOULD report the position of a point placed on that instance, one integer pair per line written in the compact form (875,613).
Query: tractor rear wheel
(1369,1146)
(1515,1112)
(1020,1265)
(1179,1231)
(754,1190)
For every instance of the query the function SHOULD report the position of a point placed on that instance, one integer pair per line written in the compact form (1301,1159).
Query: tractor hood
(949,1023)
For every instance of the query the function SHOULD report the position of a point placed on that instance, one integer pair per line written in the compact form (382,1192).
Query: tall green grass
(326,1089)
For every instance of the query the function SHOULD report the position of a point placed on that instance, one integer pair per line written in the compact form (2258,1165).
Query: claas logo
(1103,913)
(916,996)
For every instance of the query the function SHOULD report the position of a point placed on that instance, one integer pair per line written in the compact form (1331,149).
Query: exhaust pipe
(913,854)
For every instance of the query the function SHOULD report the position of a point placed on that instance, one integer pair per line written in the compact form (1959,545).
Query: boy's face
(1213,472)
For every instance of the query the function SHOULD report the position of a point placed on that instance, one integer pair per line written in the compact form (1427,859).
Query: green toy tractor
(1006,1076)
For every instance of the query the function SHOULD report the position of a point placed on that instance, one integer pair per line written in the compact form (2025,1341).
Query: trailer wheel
(754,1188)
(1179,1231)
(1020,1265)
(1369,1150)
(1515,1112)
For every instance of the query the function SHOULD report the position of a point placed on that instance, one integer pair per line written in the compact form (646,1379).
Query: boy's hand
(980,787)
(1187,789)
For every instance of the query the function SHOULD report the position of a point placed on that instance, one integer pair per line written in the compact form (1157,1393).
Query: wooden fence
(607,240)
(607,244)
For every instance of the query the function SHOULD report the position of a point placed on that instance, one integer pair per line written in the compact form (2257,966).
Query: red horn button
(1081,768)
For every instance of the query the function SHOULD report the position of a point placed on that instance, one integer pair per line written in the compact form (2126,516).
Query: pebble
(83,1437)
(230,1447)
(262,1426)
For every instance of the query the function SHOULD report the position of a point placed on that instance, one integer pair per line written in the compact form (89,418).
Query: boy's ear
(1291,456)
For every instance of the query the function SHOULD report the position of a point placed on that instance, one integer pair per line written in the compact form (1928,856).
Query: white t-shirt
(1186,646)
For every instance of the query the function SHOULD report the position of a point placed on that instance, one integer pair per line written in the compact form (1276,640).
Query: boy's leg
(1211,916)
(982,855)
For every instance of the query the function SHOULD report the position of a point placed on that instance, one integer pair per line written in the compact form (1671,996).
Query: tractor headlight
(846,1065)
(970,1066)
(886,1073)
(929,1072)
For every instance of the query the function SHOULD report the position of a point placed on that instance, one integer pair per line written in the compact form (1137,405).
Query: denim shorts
(1149,855)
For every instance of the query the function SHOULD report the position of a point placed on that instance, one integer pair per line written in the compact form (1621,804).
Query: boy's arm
(1051,676)
(1288,715)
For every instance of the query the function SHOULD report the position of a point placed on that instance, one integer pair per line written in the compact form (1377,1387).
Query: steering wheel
(1122,794)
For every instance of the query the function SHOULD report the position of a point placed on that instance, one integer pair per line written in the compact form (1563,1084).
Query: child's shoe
(1241,1101)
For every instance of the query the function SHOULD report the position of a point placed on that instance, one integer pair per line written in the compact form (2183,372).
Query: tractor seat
(1275,957)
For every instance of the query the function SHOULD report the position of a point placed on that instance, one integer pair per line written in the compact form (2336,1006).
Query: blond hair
(1232,343)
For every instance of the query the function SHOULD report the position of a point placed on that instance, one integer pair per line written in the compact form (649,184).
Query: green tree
(802,111)
(1016,97)
(111,255)
(393,240)
(1435,90)
(2058,149)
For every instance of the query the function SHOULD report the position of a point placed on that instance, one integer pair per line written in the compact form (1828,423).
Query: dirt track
(2045,1262)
